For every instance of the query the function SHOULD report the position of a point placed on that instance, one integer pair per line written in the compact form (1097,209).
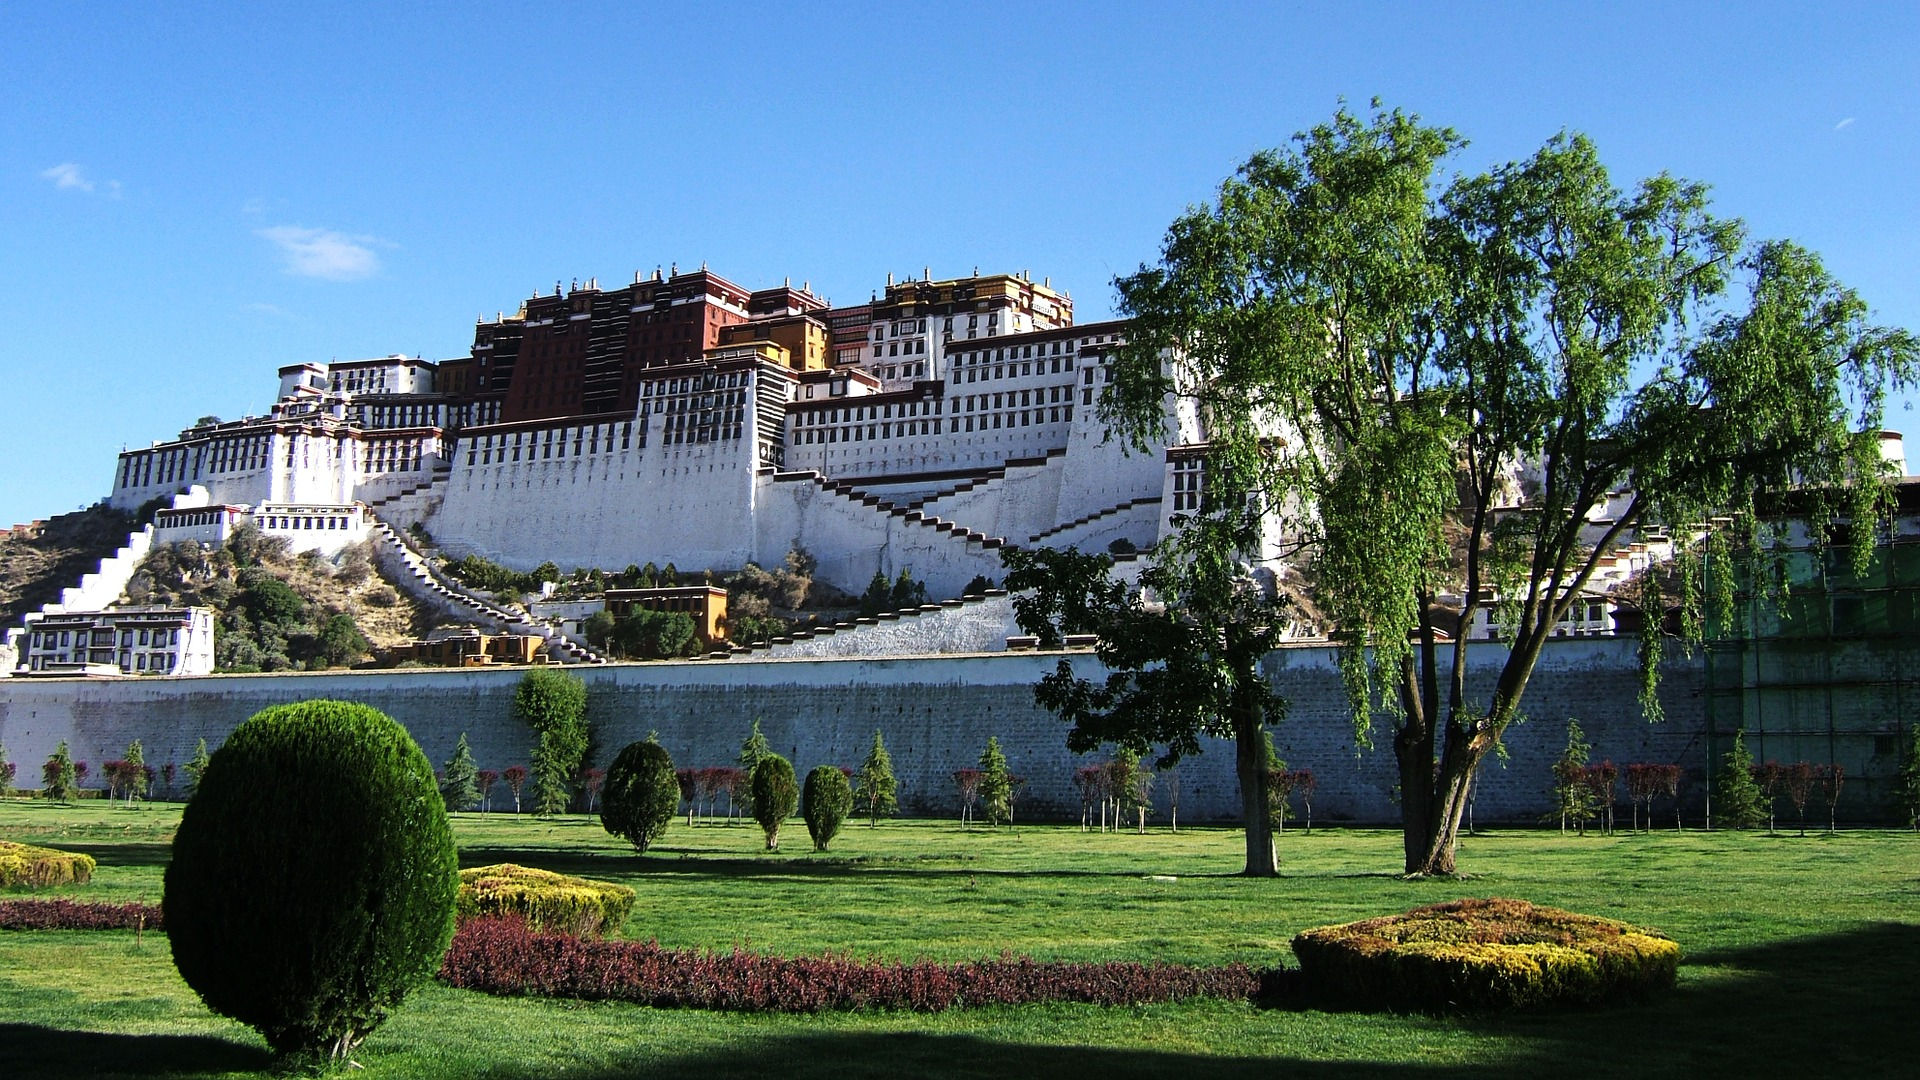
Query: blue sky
(191,201)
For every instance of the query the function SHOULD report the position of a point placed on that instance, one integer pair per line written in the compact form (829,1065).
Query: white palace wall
(936,714)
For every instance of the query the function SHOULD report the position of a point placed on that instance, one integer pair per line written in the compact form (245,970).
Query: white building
(133,641)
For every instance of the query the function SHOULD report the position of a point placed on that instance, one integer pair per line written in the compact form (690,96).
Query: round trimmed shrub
(825,802)
(640,795)
(1476,955)
(544,900)
(774,795)
(313,875)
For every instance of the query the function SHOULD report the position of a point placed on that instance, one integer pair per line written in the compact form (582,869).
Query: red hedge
(500,956)
(69,915)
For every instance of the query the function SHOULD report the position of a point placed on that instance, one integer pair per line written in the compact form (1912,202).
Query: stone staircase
(853,495)
(1088,519)
(426,582)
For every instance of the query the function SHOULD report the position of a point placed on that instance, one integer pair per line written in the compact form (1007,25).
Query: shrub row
(501,956)
(1476,955)
(544,899)
(40,868)
(72,915)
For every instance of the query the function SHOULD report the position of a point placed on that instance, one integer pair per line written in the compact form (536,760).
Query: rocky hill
(36,564)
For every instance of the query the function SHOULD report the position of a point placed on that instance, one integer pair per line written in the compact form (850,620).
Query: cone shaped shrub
(774,795)
(313,876)
(825,803)
(640,794)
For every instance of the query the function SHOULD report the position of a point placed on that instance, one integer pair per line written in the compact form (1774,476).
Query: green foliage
(136,778)
(774,795)
(489,576)
(825,802)
(1574,799)
(554,704)
(751,751)
(1906,792)
(1478,955)
(196,767)
(270,601)
(1337,286)
(640,795)
(996,784)
(313,875)
(59,780)
(653,635)
(460,779)
(907,593)
(6,773)
(339,642)
(1739,803)
(878,595)
(1185,665)
(874,786)
(977,586)
(556,903)
(24,866)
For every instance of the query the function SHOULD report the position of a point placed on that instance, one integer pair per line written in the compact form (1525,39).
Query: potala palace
(685,419)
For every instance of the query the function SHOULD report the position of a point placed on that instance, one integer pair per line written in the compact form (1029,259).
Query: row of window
(1011,418)
(287,522)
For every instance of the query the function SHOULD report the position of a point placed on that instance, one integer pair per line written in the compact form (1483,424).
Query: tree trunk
(1250,761)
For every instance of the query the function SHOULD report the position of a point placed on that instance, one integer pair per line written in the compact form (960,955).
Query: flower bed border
(78,915)
(501,956)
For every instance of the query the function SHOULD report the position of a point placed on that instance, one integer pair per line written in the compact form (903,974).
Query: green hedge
(1477,955)
(41,868)
(546,900)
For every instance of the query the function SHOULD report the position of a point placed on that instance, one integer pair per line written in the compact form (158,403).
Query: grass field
(1802,955)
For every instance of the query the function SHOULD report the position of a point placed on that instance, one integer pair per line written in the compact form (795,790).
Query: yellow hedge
(40,868)
(548,901)
(1484,954)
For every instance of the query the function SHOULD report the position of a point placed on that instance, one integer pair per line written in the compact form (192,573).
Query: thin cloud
(274,310)
(324,253)
(70,177)
(1844,124)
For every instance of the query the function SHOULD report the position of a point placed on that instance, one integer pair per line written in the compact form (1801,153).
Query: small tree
(1090,781)
(1769,778)
(1600,786)
(59,779)
(878,595)
(460,782)
(196,767)
(825,802)
(592,780)
(968,782)
(1172,786)
(1740,805)
(135,782)
(484,781)
(1906,790)
(874,787)
(6,773)
(1798,779)
(1643,782)
(1572,796)
(1671,777)
(1829,779)
(774,795)
(996,785)
(554,704)
(167,774)
(642,794)
(752,750)
(1303,785)
(516,779)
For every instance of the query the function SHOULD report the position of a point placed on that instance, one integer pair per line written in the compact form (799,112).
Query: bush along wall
(74,915)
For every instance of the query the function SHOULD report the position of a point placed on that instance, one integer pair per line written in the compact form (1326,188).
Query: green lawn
(1801,954)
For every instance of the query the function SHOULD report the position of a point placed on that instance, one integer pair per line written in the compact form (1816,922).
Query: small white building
(133,641)
(324,527)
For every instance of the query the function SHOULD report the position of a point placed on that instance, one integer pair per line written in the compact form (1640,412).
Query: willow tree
(1479,389)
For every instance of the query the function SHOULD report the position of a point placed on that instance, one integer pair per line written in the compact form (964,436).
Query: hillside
(278,611)
(34,568)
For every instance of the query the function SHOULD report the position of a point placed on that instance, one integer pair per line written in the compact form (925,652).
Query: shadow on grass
(30,1050)
(1835,1005)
